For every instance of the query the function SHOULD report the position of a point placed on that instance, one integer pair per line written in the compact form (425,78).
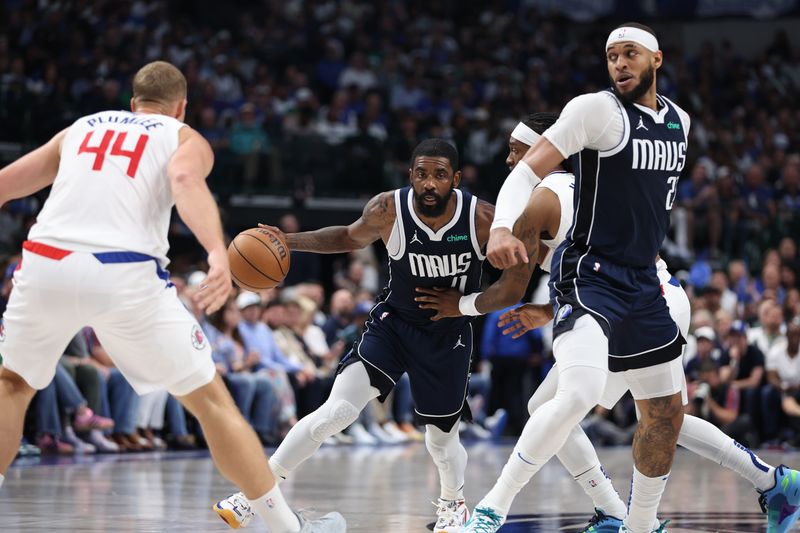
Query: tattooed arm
(375,221)
(509,289)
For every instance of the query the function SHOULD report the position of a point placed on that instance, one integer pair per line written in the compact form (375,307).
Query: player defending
(96,256)
(434,234)
(549,212)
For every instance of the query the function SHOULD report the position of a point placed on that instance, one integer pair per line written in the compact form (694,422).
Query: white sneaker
(343,438)
(329,523)
(102,444)
(383,436)
(398,434)
(484,520)
(451,516)
(361,435)
(235,511)
(80,446)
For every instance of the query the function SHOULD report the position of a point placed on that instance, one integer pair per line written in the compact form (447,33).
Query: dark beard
(637,92)
(434,210)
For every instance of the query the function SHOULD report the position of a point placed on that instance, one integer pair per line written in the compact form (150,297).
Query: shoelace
(485,520)
(662,528)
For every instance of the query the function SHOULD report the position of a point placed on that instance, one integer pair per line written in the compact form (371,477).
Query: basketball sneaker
(451,515)
(781,503)
(484,520)
(662,528)
(235,511)
(602,523)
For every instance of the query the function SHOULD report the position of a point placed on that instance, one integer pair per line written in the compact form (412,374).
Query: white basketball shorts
(125,297)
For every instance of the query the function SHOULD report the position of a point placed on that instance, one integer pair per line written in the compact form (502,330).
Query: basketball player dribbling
(96,257)
(550,212)
(434,234)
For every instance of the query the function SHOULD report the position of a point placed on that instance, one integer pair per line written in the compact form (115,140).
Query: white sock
(278,471)
(748,465)
(707,440)
(597,485)
(275,512)
(2,478)
(516,473)
(643,503)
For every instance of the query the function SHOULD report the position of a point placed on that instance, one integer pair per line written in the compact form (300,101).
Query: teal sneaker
(662,528)
(781,503)
(602,523)
(484,520)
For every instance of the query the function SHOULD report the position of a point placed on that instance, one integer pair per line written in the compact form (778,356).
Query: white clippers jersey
(563,185)
(112,191)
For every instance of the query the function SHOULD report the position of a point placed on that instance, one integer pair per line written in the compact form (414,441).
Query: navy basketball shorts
(627,302)
(437,363)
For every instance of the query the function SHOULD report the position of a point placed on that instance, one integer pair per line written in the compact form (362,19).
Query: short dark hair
(539,122)
(640,26)
(436,148)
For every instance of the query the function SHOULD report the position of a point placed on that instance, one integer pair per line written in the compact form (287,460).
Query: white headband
(524,134)
(636,35)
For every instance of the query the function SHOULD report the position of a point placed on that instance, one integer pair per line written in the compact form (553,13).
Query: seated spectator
(120,401)
(252,392)
(341,315)
(783,383)
(742,366)
(150,418)
(706,350)
(770,330)
(511,361)
(719,403)
(259,342)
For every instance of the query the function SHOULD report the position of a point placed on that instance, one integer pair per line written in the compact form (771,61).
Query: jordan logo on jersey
(439,266)
(414,238)
(641,125)
(658,155)
(459,344)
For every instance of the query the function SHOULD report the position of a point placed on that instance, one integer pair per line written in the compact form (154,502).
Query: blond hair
(160,83)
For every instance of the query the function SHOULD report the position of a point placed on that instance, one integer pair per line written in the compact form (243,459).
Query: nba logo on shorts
(198,339)
(563,313)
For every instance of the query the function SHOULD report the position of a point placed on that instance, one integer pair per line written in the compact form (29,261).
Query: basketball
(259,259)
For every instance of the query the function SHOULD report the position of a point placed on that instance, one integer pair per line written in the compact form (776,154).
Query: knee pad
(582,387)
(340,415)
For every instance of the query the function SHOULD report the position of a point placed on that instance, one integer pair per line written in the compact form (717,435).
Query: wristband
(466,304)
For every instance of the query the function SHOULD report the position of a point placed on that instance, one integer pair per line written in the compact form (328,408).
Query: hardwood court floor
(384,489)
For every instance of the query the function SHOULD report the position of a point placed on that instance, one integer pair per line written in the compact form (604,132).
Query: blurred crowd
(326,98)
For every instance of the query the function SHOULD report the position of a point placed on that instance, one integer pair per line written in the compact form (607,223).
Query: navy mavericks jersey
(420,257)
(623,196)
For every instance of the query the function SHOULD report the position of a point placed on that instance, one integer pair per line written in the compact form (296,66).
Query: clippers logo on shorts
(198,339)
(563,313)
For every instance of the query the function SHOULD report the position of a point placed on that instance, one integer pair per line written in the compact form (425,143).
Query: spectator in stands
(252,392)
(718,402)
(341,316)
(706,350)
(782,391)
(511,361)
(742,366)
(306,266)
(769,332)
(259,343)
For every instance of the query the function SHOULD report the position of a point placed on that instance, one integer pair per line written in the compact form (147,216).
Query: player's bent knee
(338,416)
(582,386)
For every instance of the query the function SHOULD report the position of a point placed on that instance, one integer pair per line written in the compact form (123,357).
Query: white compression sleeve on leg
(579,456)
(450,458)
(514,195)
(707,440)
(351,392)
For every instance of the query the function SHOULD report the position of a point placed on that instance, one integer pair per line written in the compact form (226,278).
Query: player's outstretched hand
(504,250)
(216,287)
(525,318)
(442,300)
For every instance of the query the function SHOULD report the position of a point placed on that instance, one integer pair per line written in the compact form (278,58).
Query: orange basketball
(259,259)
